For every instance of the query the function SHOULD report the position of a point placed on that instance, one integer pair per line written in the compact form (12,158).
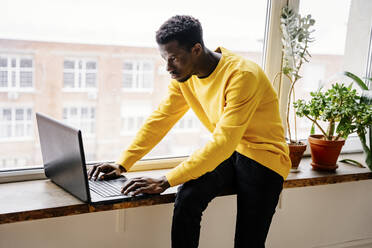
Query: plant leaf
(356,79)
(352,162)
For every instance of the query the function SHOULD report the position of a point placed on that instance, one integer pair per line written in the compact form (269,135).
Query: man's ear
(197,49)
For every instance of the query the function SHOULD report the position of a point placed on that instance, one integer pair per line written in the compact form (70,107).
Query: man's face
(180,61)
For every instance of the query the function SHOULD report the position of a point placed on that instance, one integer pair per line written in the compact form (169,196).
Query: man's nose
(170,67)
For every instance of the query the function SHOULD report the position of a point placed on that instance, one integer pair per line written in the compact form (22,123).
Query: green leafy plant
(366,98)
(341,107)
(296,31)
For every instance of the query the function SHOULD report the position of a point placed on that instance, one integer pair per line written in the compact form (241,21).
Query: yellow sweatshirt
(236,103)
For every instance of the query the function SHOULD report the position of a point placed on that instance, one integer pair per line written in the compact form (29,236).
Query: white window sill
(17,90)
(80,90)
(16,139)
(128,133)
(148,91)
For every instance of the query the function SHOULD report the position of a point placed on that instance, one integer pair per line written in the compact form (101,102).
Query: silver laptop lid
(63,156)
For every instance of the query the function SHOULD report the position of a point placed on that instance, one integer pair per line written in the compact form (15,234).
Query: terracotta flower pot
(324,153)
(295,153)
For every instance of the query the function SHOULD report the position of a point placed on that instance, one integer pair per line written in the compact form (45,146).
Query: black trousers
(258,189)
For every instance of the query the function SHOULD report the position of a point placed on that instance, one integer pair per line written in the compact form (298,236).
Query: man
(236,102)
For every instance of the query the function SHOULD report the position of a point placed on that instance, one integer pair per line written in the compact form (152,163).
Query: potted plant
(340,107)
(296,32)
(362,130)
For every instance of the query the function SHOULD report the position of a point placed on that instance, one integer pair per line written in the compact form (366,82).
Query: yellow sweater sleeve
(170,110)
(243,94)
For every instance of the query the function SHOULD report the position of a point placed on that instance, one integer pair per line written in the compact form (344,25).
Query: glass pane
(3,62)
(73,112)
(26,63)
(67,55)
(7,115)
(79,81)
(13,78)
(189,123)
(140,121)
(19,114)
(84,113)
(92,113)
(147,80)
(69,64)
(338,46)
(147,66)
(128,66)
(25,79)
(90,80)
(3,79)
(64,113)
(127,81)
(68,79)
(19,130)
(130,123)
(91,65)
(5,130)
(28,130)
(29,114)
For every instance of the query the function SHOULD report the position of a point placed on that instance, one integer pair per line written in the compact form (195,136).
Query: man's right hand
(110,171)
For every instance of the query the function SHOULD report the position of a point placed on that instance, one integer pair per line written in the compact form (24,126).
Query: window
(188,123)
(16,73)
(15,162)
(68,52)
(337,48)
(138,75)
(133,116)
(15,123)
(79,74)
(82,118)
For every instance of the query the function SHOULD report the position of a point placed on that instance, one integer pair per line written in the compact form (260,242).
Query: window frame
(13,122)
(77,71)
(80,120)
(137,75)
(140,110)
(271,62)
(17,70)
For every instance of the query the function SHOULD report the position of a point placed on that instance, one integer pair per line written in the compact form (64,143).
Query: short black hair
(185,29)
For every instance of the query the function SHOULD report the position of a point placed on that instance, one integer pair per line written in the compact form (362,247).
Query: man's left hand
(146,185)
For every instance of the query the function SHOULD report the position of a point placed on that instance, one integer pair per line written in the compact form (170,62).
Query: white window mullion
(134,73)
(76,74)
(83,71)
(18,73)
(24,121)
(13,121)
(8,69)
(139,73)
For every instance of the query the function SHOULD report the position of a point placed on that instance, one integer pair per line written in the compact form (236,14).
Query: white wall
(321,216)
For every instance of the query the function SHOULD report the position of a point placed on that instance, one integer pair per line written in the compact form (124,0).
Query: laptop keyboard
(104,188)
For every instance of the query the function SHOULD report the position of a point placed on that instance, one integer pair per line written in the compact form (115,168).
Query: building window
(188,123)
(82,118)
(16,72)
(138,75)
(79,74)
(133,117)
(13,162)
(15,122)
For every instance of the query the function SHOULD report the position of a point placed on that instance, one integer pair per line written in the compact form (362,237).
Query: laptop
(64,164)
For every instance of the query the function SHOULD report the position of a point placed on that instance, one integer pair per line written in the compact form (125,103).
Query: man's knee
(190,201)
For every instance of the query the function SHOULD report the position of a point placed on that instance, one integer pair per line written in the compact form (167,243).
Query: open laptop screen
(63,156)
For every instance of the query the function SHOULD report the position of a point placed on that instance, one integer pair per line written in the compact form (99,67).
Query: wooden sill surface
(39,199)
